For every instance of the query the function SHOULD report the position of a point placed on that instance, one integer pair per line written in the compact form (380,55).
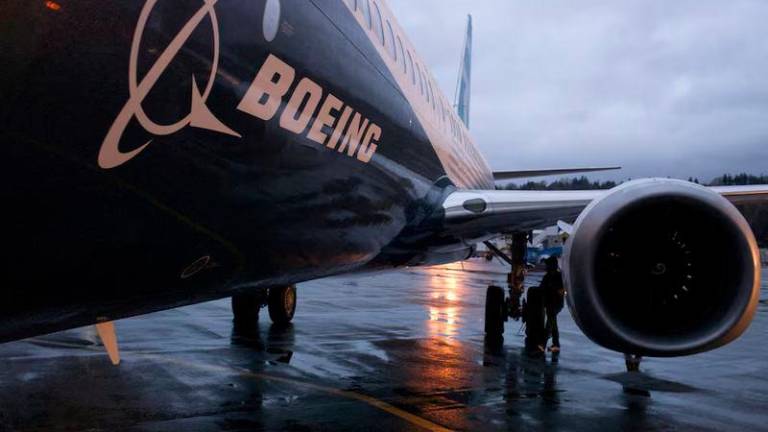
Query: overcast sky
(663,88)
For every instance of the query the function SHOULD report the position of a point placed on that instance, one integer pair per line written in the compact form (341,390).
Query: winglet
(108,337)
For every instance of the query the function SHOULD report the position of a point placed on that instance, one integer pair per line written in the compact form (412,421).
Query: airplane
(159,154)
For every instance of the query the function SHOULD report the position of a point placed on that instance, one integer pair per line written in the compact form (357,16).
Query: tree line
(576,183)
(739,180)
(584,183)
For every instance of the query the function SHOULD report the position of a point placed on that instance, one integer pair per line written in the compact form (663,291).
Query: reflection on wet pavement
(395,351)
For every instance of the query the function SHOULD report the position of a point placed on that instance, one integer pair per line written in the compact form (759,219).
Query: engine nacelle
(662,267)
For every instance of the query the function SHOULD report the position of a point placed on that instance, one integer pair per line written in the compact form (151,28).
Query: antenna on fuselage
(464,82)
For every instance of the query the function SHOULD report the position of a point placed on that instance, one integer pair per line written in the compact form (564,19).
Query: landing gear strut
(516,278)
(280,301)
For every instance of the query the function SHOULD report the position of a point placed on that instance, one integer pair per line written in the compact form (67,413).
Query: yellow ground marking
(376,403)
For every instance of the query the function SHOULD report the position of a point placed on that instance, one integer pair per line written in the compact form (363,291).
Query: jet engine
(663,268)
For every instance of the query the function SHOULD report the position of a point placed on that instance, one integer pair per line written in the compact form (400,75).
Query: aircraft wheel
(246,306)
(282,304)
(495,312)
(632,362)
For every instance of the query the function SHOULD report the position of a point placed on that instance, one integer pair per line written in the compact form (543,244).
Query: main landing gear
(497,308)
(632,362)
(495,312)
(280,302)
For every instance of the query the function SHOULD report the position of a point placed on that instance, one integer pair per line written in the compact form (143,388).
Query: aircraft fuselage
(159,154)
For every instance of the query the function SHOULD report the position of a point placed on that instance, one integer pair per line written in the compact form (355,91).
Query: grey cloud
(662,88)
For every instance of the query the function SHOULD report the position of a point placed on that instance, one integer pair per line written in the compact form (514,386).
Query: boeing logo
(307,110)
(110,155)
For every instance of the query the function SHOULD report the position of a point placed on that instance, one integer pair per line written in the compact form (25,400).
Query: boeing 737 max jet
(160,153)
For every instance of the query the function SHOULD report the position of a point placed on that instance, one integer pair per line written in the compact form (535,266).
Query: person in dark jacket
(554,298)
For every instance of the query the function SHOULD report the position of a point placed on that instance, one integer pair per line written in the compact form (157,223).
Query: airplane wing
(643,238)
(482,213)
(510,175)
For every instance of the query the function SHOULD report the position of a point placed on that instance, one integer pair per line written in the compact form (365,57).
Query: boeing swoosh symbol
(199,115)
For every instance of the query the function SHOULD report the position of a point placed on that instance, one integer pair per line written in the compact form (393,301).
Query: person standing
(554,299)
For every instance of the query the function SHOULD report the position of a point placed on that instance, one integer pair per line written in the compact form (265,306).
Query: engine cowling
(662,267)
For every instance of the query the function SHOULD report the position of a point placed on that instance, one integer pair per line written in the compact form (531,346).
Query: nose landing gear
(280,302)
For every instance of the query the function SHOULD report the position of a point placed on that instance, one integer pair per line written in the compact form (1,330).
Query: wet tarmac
(395,351)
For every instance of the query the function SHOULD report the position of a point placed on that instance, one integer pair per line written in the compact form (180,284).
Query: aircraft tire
(282,304)
(495,310)
(246,306)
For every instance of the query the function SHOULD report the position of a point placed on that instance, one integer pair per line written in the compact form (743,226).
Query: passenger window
(410,67)
(427,88)
(362,5)
(418,75)
(402,55)
(376,26)
(391,41)
(435,97)
(432,93)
